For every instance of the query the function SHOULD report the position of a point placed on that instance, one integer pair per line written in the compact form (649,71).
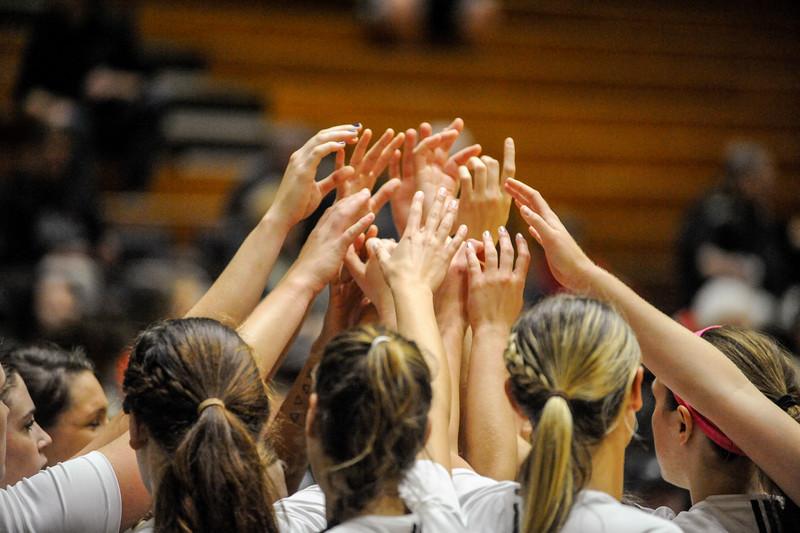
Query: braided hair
(215,478)
(373,392)
(571,361)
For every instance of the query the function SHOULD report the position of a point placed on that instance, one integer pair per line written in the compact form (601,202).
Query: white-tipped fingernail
(519,236)
(502,230)
(442,191)
(462,229)
(453,204)
(487,235)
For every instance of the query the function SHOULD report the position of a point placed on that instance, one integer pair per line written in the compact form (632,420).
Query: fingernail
(453,204)
(442,191)
(519,236)
(364,192)
(526,210)
(469,245)
(419,195)
(487,235)
(357,124)
(502,230)
(342,143)
(462,229)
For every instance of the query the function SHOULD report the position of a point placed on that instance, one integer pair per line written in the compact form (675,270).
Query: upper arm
(136,499)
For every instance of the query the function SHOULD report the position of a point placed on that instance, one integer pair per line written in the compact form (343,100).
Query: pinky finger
(473,263)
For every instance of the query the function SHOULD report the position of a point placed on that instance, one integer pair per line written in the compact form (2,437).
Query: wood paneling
(620,109)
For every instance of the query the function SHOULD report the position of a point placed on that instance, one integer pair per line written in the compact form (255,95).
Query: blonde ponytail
(571,363)
(549,476)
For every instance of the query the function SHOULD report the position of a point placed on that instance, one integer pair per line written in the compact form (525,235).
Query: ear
(687,424)
(311,415)
(635,399)
(514,404)
(427,432)
(138,433)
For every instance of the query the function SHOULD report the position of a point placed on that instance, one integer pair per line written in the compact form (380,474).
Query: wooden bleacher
(620,109)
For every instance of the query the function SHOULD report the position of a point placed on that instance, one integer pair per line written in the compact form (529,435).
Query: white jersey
(496,507)
(79,495)
(427,491)
(729,513)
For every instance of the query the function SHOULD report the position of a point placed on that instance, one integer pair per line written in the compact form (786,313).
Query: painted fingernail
(419,195)
(357,124)
(342,143)
(519,236)
(502,230)
(487,235)
(469,245)
(462,229)
(364,192)
(453,204)
(442,191)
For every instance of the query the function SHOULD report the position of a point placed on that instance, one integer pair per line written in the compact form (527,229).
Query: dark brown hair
(373,399)
(216,477)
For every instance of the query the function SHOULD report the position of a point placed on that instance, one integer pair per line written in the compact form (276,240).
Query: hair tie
(208,403)
(700,332)
(560,394)
(380,339)
(785,402)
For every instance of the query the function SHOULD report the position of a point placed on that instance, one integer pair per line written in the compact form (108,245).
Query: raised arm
(684,362)
(237,290)
(414,270)
(272,325)
(494,302)
(287,431)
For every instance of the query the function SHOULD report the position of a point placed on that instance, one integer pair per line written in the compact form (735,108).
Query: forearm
(453,340)
(287,431)
(416,320)
(272,325)
(490,430)
(235,293)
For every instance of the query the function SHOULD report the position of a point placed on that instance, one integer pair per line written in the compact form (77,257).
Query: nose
(43,438)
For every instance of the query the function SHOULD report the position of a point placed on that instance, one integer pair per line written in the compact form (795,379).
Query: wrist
(411,290)
(275,220)
(490,328)
(302,283)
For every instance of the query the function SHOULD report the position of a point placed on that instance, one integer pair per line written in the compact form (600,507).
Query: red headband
(707,426)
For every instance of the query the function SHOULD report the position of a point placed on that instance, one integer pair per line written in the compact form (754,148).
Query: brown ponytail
(215,479)
(374,393)
(571,362)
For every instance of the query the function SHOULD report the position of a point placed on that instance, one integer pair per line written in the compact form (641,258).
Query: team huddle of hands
(439,202)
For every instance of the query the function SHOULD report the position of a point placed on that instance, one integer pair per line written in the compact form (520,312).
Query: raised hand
(321,256)
(495,291)
(299,193)
(368,165)
(567,261)
(484,203)
(423,254)
(426,166)
(367,274)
